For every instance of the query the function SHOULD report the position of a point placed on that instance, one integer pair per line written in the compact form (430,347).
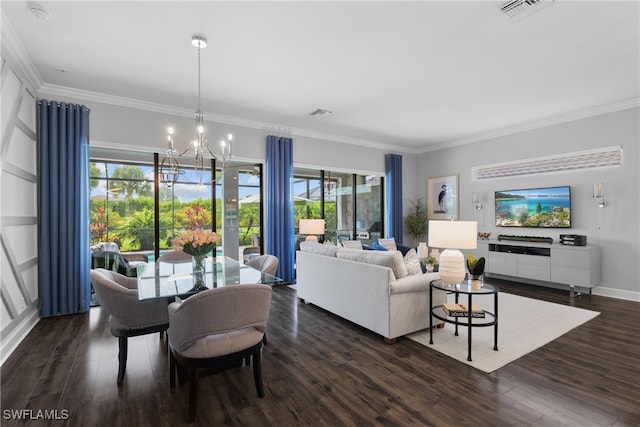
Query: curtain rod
(62,104)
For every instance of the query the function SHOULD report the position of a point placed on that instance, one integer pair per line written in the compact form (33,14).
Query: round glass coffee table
(473,318)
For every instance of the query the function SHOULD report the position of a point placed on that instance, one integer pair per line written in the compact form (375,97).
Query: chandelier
(169,167)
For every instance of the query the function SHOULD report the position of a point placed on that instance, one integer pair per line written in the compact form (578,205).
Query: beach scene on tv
(537,207)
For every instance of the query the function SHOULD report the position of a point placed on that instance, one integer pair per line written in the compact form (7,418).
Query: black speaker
(573,240)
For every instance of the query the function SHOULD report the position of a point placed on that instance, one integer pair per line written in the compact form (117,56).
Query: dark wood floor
(322,370)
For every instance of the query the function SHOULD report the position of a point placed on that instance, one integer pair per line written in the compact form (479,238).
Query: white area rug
(524,324)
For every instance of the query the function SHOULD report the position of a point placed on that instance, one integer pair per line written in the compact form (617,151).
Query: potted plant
(475,266)
(431,262)
(416,221)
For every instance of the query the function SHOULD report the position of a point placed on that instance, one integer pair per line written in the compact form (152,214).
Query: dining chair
(175,257)
(249,253)
(265,263)
(136,257)
(128,316)
(218,329)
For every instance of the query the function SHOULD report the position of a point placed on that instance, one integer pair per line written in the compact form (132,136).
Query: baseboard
(19,332)
(616,293)
(596,290)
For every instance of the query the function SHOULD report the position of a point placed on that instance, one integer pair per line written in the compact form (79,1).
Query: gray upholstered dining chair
(265,263)
(128,316)
(218,329)
(250,253)
(175,257)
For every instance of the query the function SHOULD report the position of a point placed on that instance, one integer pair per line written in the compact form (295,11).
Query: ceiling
(414,75)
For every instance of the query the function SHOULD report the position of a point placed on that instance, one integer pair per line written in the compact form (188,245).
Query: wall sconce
(475,199)
(598,193)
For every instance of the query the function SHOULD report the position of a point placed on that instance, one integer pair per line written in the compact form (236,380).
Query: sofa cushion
(353,244)
(412,262)
(318,248)
(390,259)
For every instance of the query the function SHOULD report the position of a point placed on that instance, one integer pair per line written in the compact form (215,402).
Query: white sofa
(369,288)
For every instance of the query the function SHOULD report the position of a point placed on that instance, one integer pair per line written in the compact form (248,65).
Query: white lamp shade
(312,226)
(453,234)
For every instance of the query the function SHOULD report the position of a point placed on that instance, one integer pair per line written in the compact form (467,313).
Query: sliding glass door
(351,204)
(124,209)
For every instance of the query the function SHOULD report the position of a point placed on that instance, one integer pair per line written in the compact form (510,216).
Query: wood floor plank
(321,370)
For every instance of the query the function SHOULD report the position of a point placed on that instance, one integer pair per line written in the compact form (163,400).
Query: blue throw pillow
(378,247)
(403,249)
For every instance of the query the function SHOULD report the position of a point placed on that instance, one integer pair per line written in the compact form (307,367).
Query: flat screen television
(548,207)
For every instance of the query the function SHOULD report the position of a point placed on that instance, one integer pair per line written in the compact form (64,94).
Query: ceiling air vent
(518,9)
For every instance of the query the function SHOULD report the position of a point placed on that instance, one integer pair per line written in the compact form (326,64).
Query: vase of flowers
(197,243)
(198,272)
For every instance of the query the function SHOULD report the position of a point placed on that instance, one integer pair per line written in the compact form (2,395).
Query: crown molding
(550,121)
(54,90)
(12,46)
(68,92)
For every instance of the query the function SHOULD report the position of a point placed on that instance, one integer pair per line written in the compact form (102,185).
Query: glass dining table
(165,280)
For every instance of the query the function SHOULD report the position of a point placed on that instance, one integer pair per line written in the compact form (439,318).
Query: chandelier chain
(199,97)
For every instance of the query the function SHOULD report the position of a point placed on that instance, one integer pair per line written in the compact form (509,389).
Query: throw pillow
(388,244)
(412,262)
(353,244)
(378,247)
(319,248)
(391,259)
(402,248)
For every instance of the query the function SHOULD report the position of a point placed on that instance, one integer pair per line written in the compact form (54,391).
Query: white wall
(121,127)
(131,128)
(18,206)
(619,236)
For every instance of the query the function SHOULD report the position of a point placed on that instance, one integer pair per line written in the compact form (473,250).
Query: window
(351,204)
(185,206)
(123,210)
(121,205)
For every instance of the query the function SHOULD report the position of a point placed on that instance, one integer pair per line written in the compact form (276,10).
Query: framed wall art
(442,197)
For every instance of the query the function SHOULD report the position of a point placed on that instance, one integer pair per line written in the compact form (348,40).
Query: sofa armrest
(414,283)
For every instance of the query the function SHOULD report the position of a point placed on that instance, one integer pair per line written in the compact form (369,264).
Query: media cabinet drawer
(534,267)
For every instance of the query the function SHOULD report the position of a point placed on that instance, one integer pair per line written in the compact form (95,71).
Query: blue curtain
(393,180)
(64,252)
(280,238)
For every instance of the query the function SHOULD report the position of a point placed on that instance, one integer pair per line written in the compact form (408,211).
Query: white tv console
(542,263)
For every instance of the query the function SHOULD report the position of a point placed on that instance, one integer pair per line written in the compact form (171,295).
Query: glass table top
(161,279)
(466,287)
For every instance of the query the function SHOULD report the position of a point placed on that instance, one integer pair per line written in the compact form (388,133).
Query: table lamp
(452,236)
(312,228)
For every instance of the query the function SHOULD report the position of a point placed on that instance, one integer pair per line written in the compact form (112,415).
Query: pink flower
(196,242)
